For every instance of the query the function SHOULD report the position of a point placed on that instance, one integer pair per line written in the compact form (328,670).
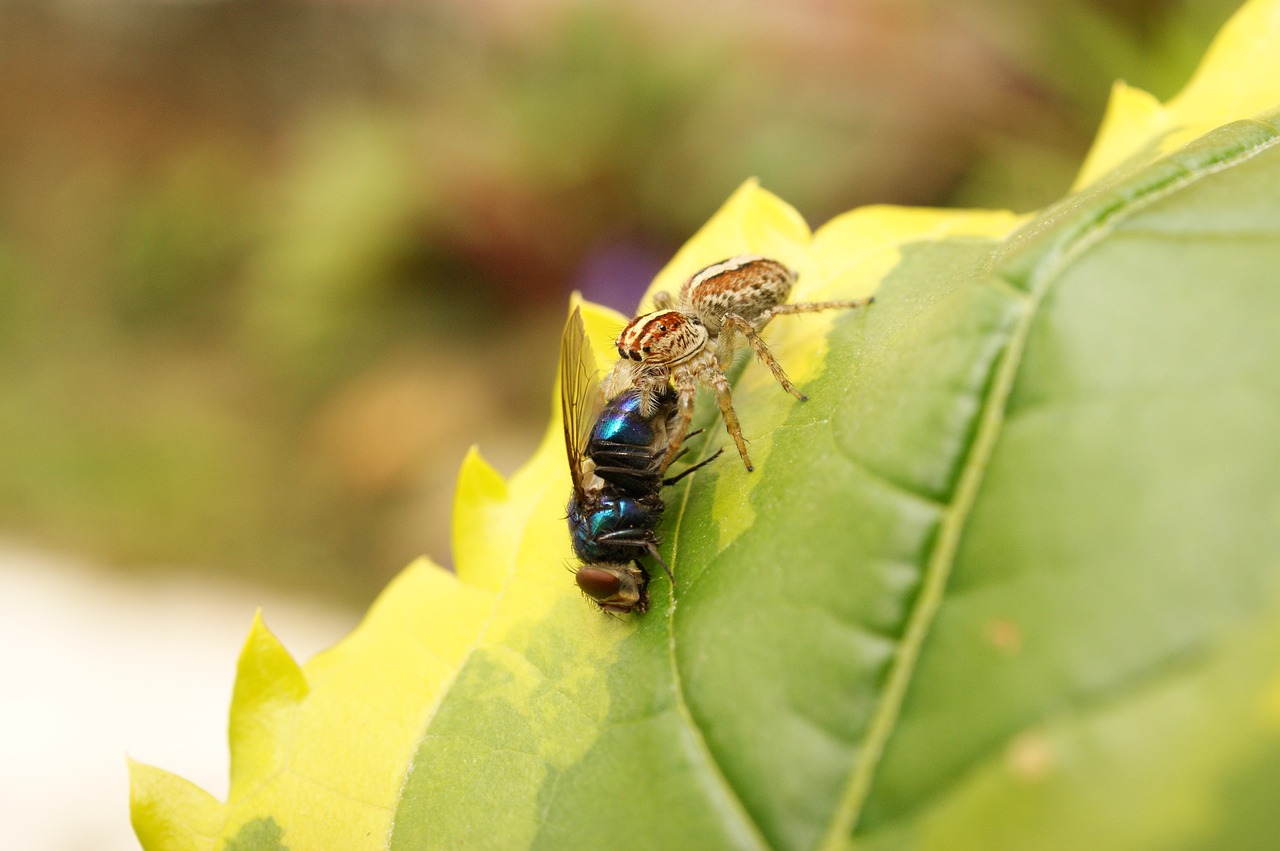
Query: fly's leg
(681,454)
(694,468)
(724,398)
(686,392)
(653,551)
(732,320)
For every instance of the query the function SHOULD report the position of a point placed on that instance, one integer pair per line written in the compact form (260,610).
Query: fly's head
(662,339)
(616,589)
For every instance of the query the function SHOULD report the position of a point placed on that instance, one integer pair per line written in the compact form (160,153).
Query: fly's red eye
(598,583)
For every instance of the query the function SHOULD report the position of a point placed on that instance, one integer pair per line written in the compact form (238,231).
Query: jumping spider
(694,340)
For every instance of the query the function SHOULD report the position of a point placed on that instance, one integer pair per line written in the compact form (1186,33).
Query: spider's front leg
(724,398)
(620,379)
(686,393)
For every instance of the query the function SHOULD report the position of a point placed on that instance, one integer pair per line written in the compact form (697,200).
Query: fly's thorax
(606,524)
(661,339)
(747,285)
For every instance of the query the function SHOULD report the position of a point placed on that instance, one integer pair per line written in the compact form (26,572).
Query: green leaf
(1007,580)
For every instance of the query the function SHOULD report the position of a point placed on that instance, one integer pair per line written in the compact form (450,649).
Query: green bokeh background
(267,269)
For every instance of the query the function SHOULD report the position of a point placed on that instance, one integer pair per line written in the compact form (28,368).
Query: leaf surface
(1007,579)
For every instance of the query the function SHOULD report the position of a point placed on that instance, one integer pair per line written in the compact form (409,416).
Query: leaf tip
(168,812)
(479,480)
(269,686)
(266,670)
(480,494)
(1133,118)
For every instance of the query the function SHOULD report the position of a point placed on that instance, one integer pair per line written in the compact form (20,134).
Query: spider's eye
(646,350)
(635,355)
(621,352)
(662,327)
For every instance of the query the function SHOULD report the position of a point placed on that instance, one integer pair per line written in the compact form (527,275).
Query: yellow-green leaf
(1239,77)
(1007,579)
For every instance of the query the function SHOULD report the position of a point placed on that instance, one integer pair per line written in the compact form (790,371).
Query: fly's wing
(579,395)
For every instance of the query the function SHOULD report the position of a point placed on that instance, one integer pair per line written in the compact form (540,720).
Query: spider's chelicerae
(694,340)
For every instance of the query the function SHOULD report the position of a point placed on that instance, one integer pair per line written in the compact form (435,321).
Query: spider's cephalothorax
(693,341)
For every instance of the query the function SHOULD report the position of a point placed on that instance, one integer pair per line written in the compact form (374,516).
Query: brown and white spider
(694,340)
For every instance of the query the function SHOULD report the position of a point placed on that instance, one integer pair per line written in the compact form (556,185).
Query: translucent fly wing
(579,395)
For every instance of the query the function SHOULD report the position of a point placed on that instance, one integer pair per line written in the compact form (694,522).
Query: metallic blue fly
(618,470)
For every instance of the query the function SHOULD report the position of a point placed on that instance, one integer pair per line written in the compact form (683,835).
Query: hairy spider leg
(732,323)
(809,307)
(663,301)
(686,378)
(750,330)
(686,393)
(724,398)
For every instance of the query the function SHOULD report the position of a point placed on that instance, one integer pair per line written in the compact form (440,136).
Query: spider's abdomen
(747,285)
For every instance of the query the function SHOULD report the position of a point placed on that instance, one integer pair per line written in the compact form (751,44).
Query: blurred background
(268,269)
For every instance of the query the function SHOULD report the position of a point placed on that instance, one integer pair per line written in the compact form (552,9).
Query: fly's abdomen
(627,448)
(620,422)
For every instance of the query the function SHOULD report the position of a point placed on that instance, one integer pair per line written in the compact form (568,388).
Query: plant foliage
(1007,580)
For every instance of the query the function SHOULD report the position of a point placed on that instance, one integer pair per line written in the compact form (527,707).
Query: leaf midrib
(735,811)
